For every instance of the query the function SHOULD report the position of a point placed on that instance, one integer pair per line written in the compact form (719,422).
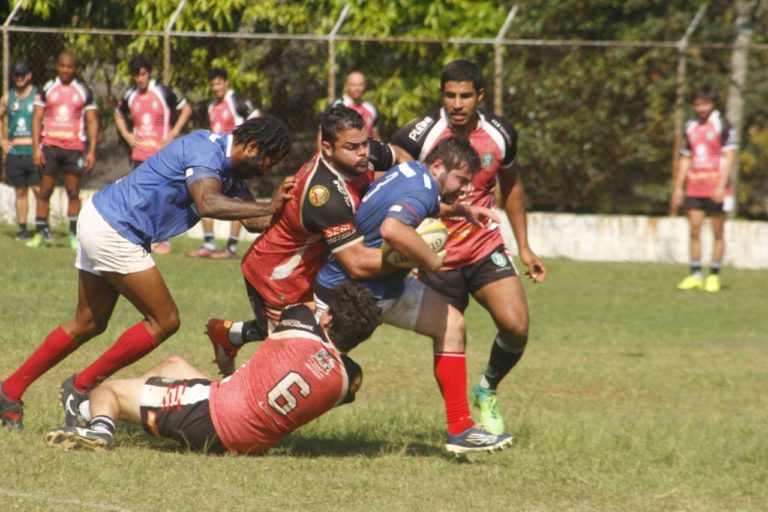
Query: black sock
(73,225)
(501,362)
(232,243)
(714,268)
(23,227)
(41,224)
(252,331)
(695,268)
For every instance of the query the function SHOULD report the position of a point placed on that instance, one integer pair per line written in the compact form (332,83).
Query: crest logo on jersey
(499,259)
(487,160)
(318,195)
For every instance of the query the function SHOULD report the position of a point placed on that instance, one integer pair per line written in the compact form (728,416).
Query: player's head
(66,66)
(704,101)
(462,89)
(141,69)
(21,74)
(452,162)
(344,140)
(354,85)
(354,315)
(259,144)
(218,82)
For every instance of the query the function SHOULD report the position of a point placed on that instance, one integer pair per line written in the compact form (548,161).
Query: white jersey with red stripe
(295,376)
(64,115)
(495,141)
(283,262)
(152,113)
(366,110)
(705,143)
(226,114)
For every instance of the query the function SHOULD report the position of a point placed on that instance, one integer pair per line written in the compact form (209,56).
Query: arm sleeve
(123,107)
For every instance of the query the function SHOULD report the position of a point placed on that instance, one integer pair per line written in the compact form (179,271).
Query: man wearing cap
(17,106)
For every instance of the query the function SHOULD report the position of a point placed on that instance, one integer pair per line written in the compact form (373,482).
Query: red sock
(451,375)
(131,346)
(57,346)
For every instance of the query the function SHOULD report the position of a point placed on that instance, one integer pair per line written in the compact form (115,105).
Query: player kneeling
(298,373)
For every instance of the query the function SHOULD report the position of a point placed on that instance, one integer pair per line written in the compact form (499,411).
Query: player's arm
(125,131)
(92,124)
(513,202)
(406,241)
(362,262)
(4,142)
(726,167)
(37,133)
(184,115)
(211,202)
(473,213)
(682,172)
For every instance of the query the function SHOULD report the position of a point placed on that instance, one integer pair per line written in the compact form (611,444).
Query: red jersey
(705,143)
(226,114)
(366,110)
(152,113)
(495,141)
(283,262)
(64,115)
(295,376)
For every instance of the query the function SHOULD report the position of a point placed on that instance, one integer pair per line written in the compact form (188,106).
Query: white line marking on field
(56,499)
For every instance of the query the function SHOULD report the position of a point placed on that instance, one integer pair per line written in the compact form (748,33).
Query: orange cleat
(224,351)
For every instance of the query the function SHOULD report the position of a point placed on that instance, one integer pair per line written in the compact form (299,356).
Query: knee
(695,232)
(73,194)
(45,193)
(168,325)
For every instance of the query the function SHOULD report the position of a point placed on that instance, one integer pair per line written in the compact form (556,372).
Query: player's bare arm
(513,202)
(406,241)
(37,131)
(210,202)
(4,142)
(475,214)
(92,121)
(363,262)
(725,176)
(122,127)
(682,172)
(184,115)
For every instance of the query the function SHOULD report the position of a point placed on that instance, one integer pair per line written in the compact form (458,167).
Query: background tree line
(595,123)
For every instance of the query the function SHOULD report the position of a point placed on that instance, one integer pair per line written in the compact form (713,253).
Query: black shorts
(457,284)
(21,172)
(703,203)
(178,409)
(59,160)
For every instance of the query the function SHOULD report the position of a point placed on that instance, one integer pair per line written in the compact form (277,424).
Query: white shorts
(401,312)
(102,249)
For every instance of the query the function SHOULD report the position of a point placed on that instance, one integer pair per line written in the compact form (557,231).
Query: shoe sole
(459,450)
(72,441)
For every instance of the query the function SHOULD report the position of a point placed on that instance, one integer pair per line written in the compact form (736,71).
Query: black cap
(21,68)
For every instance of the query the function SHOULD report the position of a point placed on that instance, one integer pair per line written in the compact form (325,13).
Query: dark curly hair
(269,132)
(138,62)
(355,313)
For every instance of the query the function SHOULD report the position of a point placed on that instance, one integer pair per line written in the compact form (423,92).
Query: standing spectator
(18,107)
(226,111)
(354,89)
(705,167)
(64,108)
(150,107)
(477,263)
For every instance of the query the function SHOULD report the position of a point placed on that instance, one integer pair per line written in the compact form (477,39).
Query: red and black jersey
(293,377)
(705,143)
(283,262)
(64,115)
(226,114)
(495,141)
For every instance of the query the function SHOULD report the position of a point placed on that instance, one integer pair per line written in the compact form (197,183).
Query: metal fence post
(682,45)
(332,54)
(167,43)
(498,64)
(7,47)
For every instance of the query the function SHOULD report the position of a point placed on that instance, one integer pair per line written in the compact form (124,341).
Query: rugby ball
(432,231)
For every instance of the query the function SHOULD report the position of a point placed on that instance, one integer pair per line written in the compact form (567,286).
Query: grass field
(631,396)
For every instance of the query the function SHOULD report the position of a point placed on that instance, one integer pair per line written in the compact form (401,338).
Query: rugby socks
(500,362)
(104,425)
(245,332)
(209,241)
(696,269)
(714,268)
(232,244)
(73,224)
(57,346)
(131,346)
(451,374)
(41,225)
(22,227)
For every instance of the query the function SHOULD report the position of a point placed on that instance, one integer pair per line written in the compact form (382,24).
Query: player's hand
(6,145)
(677,197)
(90,161)
(718,195)
(132,139)
(38,159)
(282,194)
(536,272)
(476,215)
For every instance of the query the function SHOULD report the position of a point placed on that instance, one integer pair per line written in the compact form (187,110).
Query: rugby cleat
(712,283)
(200,252)
(224,351)
(223,254)
(476,439)
(163,247)
(72,241)
(11,412)
(72,438)
(37,240)
(23,234)
(691,282)
(485,400)
(71,399)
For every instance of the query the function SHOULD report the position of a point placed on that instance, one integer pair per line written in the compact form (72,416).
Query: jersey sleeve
(123,108)
(509,139)
(243,107)
(332,219)
(413,135)
(381,156)
(414,206)
(90,99)
(298,316)
(41,100)
(685,147)
(728,137)
(174,100)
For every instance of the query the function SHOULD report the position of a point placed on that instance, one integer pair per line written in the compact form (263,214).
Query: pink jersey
(495,141)
(64,116)
(228,113)
(366,110)
(705,143)
(152,114)
(295,376)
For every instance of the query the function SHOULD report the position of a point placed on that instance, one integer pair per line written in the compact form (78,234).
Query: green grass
(631,396)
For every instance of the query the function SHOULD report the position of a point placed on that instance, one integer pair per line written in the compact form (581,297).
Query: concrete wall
(581,237)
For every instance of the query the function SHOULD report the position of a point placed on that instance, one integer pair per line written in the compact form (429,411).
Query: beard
(248,167)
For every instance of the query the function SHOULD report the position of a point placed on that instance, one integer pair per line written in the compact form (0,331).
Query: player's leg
(42,209)
(21,212)
(717,220)
(695,214)
(72,187)
(229,251)
(209,241)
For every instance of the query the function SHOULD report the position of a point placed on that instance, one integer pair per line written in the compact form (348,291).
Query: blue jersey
(153,203)
(408,193)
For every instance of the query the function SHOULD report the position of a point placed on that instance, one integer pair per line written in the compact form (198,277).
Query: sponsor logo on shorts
(318,195)
(487,160)
(499,259)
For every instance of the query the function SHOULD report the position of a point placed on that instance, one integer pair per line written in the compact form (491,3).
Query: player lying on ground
(300,372)
(395,204)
